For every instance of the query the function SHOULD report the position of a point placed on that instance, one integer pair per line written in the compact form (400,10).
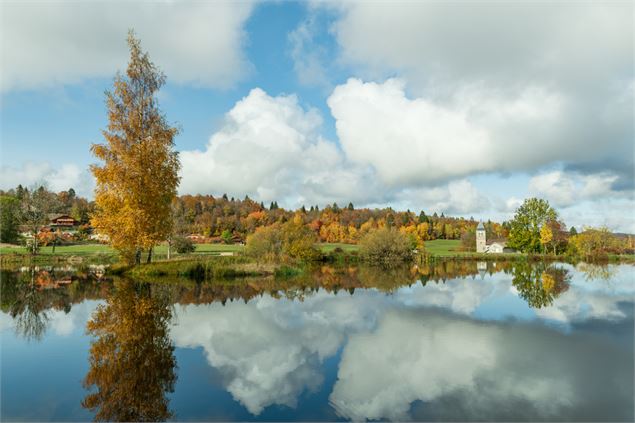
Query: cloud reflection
(405,355)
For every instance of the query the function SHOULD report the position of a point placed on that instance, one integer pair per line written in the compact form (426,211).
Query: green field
(89,249)
(327,247)
(444,247)
(78,250)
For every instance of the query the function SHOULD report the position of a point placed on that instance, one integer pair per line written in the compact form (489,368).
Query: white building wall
(495,248)
(481,243)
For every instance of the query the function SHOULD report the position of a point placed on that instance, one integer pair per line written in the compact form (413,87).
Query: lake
(453,341)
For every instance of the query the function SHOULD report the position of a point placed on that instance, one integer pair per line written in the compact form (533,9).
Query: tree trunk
(149,256)
(169,249)
(137,257)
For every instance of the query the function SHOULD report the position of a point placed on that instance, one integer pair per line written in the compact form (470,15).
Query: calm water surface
(453,342)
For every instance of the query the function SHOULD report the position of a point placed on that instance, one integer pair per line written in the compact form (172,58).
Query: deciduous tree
(524,234)
(139,175)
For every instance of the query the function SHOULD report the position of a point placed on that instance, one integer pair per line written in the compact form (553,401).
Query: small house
(62,221)
(496,247)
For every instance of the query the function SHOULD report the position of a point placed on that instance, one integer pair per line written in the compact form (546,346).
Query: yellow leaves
(297,219)
(131,359)
(548,282)
(546,235)
(138,179)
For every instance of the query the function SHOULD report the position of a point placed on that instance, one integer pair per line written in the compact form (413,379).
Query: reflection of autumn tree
(23,301)
(539,284)
(131,361)
(385,278)
(596,271)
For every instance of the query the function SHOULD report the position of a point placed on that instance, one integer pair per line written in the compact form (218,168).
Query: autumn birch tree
(139,176)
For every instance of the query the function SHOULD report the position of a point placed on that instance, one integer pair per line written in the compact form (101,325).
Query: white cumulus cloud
(418,140)
(568,188)
(271,149)
(48,43)
(531,75)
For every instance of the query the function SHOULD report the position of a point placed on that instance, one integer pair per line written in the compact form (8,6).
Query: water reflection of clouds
(422,343)
(64,324)
(594,298)
(270,351)
(461,296)
(584,299)
(431,356)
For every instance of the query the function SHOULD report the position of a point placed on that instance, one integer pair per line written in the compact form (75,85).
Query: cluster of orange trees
(210,217)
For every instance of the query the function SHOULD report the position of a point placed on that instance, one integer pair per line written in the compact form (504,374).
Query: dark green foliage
(226,236)
(183,245)
(287,271)
(468,241)
(9,219)
(195,272)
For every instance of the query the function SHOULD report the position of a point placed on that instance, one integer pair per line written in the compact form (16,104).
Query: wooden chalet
(62,221)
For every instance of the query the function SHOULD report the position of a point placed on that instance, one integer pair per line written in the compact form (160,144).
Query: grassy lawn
(327,247)
(213,248)
(78,250)
(444,247)
(439,247)
(88,249)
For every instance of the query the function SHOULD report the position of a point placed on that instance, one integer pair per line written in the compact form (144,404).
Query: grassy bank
(100,253)
(436,250)
(207,268)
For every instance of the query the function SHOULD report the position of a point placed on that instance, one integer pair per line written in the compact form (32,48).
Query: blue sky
(441,107)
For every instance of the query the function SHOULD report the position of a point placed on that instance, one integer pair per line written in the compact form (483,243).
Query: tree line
(224,218)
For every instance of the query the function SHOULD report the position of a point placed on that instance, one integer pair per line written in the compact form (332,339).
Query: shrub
(291,240)
(265,243)
(183,245)
(593,243)
(298,241)
(468,241)
(385,246)
(226,236)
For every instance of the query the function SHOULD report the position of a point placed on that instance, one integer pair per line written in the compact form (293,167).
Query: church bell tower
(481,242)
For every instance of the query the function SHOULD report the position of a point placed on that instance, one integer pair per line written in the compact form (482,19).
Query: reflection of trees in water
(452,269)
(27,296)
(132,365)
(596,271)
(22,300)
(540,283)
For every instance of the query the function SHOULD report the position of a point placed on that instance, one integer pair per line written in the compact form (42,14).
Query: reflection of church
(496,246)
(481,266)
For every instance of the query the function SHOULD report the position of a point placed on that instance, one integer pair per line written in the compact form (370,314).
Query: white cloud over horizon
(50,43)
(270,148)
(567,188)
(544,89)
(60,178)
